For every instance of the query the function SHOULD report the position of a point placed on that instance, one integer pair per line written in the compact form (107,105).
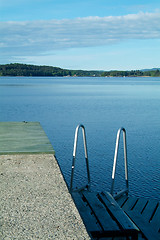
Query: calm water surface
(103,105)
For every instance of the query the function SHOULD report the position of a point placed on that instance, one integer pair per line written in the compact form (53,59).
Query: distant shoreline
(78,77)
(25,70)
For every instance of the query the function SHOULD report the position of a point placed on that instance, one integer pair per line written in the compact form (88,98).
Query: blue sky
(81,34)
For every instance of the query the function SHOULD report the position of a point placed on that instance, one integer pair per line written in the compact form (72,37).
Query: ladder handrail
(74,157)
(125,162)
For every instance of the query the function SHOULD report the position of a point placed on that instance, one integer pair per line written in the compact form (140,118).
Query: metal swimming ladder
(74,158)
(125,191)
(87,186)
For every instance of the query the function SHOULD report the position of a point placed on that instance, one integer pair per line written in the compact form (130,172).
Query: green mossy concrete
(23,137)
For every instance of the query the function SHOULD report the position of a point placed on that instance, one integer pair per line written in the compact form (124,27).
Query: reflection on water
(102,105)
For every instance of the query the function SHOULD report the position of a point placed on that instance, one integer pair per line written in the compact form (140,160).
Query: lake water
(103,105)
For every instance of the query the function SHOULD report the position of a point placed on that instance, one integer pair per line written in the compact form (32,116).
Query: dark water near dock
(103,105)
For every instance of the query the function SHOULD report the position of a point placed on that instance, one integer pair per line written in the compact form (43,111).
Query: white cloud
(41,37)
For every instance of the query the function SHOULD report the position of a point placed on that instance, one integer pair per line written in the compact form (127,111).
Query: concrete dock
(35,202)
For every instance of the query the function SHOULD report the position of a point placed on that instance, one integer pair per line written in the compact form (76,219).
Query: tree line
(132,73)
(17,69)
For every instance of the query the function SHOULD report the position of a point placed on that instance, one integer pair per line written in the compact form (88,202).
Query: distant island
(17,69)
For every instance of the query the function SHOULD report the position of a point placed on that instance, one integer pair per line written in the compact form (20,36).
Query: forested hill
(17,69)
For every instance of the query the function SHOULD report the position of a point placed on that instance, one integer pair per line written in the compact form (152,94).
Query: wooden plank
(121,200)
(107,223)
(144,226)
(128,205)
(86,214)
(155,222)
(117,212)
(149,209)
(140,204)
